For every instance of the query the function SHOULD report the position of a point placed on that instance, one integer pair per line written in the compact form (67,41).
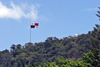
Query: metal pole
(30,32)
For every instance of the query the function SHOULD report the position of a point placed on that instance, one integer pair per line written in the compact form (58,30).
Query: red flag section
(36,24)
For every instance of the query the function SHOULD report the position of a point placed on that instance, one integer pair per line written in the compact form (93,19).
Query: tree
(95,47)
(18,46)
(49,39)
(12,47)
(5,51)
(90,58)
(99,13)
(29,44)
(5,58)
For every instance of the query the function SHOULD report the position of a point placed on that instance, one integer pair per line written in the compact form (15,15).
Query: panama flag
(34,25)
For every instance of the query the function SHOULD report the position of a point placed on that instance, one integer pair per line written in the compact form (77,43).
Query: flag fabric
(34,25)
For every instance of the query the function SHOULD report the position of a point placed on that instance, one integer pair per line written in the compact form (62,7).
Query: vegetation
(52,50)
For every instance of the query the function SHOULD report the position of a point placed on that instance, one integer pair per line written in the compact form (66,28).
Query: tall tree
(95,41)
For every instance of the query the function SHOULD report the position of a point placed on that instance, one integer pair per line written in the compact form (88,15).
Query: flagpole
(30,32)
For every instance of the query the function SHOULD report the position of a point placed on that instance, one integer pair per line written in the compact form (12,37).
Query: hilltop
(51,50)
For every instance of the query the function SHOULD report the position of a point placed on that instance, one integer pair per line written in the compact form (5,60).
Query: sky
(56,18)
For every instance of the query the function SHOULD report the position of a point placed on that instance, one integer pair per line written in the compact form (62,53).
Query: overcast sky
(56,18)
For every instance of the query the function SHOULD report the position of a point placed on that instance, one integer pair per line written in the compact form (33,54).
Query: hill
(51,50)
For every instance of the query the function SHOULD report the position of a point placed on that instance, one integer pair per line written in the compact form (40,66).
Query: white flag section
(34,25)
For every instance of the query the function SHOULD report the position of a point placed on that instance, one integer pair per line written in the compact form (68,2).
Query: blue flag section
(34,25)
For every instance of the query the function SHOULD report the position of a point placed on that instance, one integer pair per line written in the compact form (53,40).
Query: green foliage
(52,50)
(90,58)
(35,65)
(48,64)
(67,63)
